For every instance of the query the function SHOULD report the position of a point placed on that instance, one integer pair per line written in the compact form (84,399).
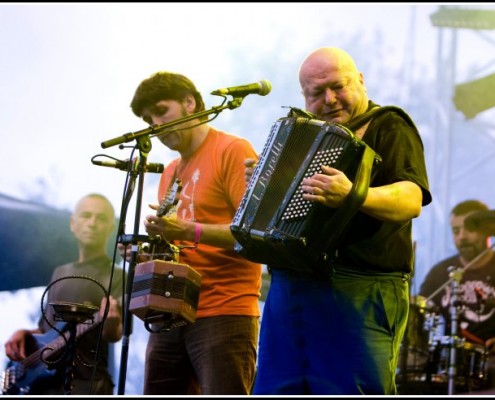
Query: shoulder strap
(362,119)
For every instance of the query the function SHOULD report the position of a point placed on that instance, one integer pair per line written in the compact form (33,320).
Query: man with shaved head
(340,334)
(93,280)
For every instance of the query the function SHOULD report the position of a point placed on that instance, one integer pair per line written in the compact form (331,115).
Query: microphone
(124,165)
(262,88)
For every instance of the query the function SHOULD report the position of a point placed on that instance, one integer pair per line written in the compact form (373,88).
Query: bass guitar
(20,377)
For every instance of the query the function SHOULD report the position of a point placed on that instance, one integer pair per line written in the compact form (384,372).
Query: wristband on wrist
(197,233)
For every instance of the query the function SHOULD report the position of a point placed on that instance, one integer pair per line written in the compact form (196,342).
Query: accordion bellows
(273,224)
(165,291)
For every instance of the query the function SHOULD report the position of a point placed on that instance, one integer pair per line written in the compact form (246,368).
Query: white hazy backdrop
(69,70)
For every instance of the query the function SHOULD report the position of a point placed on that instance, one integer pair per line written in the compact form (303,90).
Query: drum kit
(432,363)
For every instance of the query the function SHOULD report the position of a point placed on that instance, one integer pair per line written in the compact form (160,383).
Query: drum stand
(453,340)
(455,275)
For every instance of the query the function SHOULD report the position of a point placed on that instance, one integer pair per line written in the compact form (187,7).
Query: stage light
(476,96)
(454,17)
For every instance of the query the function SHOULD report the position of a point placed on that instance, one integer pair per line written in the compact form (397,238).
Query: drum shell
(422,323)
(470,366)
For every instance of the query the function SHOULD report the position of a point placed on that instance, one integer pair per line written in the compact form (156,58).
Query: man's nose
(155,121)
(330,96)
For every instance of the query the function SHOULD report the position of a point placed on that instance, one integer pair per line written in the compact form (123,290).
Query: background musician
(476,292)
(92,224)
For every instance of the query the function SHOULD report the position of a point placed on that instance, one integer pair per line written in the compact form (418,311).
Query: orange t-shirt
(212,188)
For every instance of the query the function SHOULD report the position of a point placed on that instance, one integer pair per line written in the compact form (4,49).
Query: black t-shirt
(370,244)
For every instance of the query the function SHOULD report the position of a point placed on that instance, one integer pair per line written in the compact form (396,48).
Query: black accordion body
(273,224)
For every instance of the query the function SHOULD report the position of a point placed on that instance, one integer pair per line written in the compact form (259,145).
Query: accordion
(165,294)
(273,224)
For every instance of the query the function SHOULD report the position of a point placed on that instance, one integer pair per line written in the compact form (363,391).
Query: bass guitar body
(38,370)
(30,375)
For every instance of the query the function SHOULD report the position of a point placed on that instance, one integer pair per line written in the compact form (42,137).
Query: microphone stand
(144,144)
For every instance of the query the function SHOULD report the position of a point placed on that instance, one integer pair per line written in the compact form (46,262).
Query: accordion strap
(331,231)
(356,123)
(374,112)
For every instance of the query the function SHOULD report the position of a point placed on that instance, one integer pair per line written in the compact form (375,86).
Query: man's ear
(190,103)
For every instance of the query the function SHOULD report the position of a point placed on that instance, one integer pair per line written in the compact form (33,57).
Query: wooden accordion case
(273,224)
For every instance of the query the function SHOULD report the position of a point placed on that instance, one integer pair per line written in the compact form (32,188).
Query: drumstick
(472,337)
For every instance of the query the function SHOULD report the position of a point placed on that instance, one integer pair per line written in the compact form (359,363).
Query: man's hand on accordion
(250,164)
(331,187)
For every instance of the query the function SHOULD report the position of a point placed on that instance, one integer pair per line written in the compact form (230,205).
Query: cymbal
(420,302)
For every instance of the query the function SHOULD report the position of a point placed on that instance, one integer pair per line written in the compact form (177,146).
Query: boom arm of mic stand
(156,130)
